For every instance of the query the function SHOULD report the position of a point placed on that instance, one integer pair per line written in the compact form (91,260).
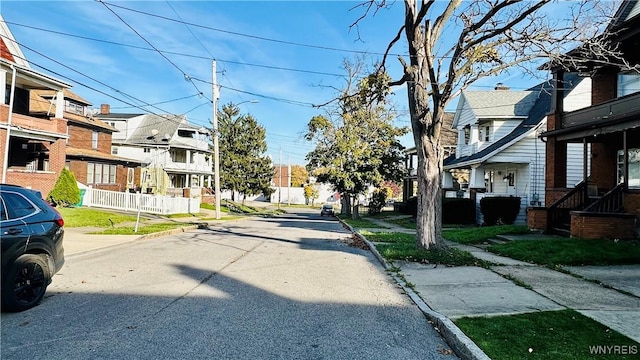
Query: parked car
(327,209)
(32,252)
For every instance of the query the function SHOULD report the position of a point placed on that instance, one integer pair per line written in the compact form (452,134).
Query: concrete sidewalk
(607,294)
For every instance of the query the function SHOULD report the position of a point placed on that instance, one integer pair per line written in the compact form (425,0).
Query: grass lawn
(553,335)
(571,251)
(400,246)
(407,222)
(359,223)
(80,216)
(478,235)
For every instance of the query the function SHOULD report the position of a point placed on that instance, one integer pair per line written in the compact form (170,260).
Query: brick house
(606,204)
(32,148)
(88,147)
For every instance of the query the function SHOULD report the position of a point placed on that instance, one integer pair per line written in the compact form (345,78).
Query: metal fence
(154,204)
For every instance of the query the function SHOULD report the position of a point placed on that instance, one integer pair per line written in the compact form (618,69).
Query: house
(177,155)
(88,146)
(606,204)
(32,148)
(447,139)
(499,147)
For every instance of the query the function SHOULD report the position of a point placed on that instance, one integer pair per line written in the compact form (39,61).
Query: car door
(14,231)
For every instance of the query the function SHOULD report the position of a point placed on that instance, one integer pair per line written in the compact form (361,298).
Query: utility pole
(280,181)
(289,180)
(216,136)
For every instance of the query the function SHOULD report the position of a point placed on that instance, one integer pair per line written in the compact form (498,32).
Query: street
(264,288)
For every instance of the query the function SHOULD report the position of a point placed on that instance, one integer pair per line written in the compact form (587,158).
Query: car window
(16,205)
(3,210)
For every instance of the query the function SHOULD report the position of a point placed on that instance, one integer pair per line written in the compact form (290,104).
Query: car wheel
(26,283)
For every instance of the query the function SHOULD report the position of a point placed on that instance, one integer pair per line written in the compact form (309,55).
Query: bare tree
(452,44)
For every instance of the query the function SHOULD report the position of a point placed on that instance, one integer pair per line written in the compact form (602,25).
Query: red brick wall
(3,147)
(81,137)
(604,165)
(603,88)
(632,203)
(537,218)
(41,181)
(599,226)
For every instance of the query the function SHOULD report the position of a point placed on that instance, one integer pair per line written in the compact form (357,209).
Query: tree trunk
(429,216)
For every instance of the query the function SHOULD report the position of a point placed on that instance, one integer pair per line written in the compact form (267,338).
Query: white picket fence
(154,204)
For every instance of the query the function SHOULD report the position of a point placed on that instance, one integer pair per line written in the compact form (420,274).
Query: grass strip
(80,217)
(478,235)
(553,335)
(359,223)
(576,252)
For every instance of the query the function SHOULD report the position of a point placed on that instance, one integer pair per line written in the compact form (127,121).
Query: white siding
(575,161)
(579,97)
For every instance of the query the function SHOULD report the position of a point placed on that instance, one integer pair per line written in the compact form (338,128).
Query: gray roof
(500,103)
(536,114)
(164,124)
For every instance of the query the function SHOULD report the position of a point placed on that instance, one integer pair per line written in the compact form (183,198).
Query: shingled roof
(537,113)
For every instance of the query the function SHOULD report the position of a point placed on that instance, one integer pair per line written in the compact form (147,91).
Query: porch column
(476,178)
(625,151)
(59,104)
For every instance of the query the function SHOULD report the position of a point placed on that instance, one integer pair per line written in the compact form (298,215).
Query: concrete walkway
(607,294)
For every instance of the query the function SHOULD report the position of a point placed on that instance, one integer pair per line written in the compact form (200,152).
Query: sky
(275,59)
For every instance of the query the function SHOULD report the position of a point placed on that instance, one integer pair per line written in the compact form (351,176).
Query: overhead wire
(174,52)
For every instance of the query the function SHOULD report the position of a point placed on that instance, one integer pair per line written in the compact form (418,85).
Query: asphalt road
(281,288)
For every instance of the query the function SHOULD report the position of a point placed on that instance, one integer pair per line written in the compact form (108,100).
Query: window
(467,134)
(179,155)
(147,150)
(486,129)
(114,150)
(628,83)
(94,140)
(112,174)
(17,206)
(130,176)
(634,168)
(186,133)
(67,164)
(90,172)
(98,178)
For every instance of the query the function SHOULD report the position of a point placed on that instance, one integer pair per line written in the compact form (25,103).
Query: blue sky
(258,47)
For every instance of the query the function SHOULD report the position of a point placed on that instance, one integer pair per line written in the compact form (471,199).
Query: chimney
(501,86)
(105,109)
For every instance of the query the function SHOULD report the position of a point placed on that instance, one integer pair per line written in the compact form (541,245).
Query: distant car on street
(31,236)
(327,209)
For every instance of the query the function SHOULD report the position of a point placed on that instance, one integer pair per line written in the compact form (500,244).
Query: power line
(248,35)
(186,76)
(174,52)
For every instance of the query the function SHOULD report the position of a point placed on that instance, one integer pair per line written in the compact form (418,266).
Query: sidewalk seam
(461,344)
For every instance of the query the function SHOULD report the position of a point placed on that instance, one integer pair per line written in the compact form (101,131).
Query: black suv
(31,233)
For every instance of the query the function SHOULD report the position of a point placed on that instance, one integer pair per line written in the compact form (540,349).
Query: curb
(461,344)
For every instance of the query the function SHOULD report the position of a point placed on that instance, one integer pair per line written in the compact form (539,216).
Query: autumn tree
(299,175)
(244,165)
(357,145)
(452,44)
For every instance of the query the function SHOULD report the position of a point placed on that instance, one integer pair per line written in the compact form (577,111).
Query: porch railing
(611,202)
(558,212)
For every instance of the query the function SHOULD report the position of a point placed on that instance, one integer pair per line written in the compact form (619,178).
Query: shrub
(458,211)
(378,200)
(65,192)
(500,208)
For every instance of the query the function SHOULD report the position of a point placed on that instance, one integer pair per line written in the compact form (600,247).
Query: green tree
(244,167)
(452,44)
(358,147)
(65,192)
(299,175)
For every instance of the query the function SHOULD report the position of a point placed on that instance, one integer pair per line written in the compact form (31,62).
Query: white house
(499,143)
(176,154)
